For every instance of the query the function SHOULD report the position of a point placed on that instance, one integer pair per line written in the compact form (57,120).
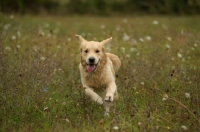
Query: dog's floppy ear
(106,41)
(80,38)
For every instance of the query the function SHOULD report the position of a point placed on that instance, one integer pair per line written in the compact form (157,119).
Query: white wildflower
(18,46)
(127,55)
(184,127)
(69,39)
(133,41)
(125,20)
(195,45)
(48,35)
(138,53)
(139,123)
(58,46)
(126,37)
(123,49)
(41,33)
(155,22)
(11,16)
(7,26)
(18,33)
(116,128)
(142,83)
(169,38)
(179,55)
(42,58)
(102,26)
(118,28)
(141,39)
(8,48)
(165,97)
(148,38)
(46,108)
(133,61)
(13,37)
(167,46)
(133,49)
(54,55)
(67,120)
(187,95)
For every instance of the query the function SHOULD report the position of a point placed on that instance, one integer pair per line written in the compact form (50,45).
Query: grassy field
(158,83)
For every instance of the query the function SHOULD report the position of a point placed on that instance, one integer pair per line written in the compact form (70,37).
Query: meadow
(158,83)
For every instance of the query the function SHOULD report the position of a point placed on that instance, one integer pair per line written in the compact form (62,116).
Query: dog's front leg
(110,91)
(94,96)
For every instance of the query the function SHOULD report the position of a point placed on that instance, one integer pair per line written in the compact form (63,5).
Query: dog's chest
(96,82)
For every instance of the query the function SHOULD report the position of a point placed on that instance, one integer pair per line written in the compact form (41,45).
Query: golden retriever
(98,71)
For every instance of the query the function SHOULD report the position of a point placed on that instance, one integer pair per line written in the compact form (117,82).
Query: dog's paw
(100,101)
(106,114)
(109,97)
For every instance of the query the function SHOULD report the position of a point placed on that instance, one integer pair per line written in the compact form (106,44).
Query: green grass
(158,83)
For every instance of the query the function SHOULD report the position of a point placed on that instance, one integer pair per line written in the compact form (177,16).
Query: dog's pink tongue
(91,68)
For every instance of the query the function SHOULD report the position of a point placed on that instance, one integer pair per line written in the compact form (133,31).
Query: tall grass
(158,83)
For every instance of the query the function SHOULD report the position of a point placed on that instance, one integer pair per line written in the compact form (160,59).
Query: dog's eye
(97,51)
(86,51)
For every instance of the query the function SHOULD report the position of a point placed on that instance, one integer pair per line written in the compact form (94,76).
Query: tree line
(102,7)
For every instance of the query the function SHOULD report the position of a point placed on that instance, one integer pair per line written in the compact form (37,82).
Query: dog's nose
(91,59)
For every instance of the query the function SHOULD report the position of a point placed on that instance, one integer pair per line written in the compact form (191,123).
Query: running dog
(98,70)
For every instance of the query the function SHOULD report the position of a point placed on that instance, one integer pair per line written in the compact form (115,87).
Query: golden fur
(102,77)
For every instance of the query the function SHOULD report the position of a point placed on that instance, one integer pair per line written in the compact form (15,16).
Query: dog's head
(92,52)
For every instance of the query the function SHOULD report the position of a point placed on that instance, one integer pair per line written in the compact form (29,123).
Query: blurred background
(101,7)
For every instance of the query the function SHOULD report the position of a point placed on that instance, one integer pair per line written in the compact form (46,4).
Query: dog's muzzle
(91,67)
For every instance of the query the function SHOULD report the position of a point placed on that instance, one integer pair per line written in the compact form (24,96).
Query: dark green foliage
(102,7)
(22,6)
(87,7)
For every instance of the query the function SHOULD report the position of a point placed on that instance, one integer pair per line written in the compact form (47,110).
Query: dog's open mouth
(91,67)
